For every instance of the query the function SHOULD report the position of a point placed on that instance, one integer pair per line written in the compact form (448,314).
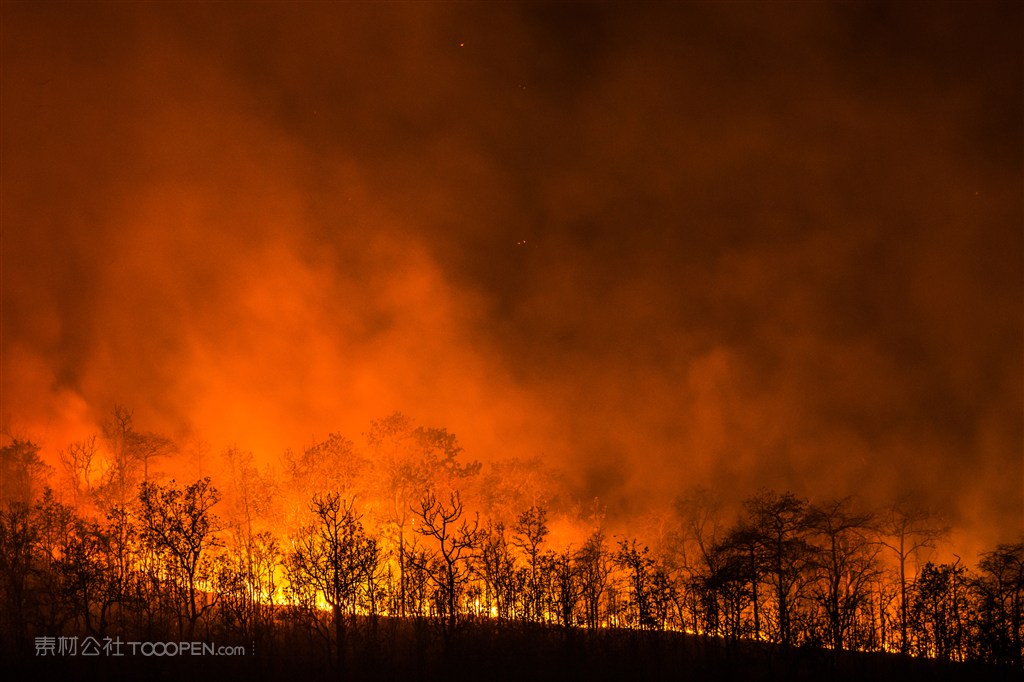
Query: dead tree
(456,540)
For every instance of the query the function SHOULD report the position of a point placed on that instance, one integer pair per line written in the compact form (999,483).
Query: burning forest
(560,341)
(335,550)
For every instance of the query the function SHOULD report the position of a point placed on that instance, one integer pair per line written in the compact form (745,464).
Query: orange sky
(659,246)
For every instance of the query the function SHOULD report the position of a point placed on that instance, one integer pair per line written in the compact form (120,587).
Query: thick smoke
(660,247)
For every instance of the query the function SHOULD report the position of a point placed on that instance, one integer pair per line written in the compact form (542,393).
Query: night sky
(656,245)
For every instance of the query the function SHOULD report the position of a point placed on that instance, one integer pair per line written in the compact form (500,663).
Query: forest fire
(239,559)
(547,326)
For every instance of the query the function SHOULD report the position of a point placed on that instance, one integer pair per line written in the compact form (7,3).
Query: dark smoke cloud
(662,246)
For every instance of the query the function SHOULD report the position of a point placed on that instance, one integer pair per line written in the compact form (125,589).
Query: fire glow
(627,256)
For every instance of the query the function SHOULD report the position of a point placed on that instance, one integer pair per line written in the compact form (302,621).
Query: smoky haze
(658,246)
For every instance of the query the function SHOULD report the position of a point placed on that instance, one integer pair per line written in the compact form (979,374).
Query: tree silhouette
(638,564)
(408,463)
(787,571)
(19,537)
(595,568)
(79,461)
(333,558)
(179,527)
(906,530)
(699,539)
(497,568)
(778,526)
(22,472)
(937,611)
(845,560)
(131,453)
(529,532)
(566,585)
(456,538)
(1001,589)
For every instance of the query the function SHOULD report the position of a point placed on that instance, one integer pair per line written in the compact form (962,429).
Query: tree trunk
(401,571)
(753,583)
(339,637)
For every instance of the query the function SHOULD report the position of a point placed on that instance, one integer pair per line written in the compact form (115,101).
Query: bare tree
(247,581)
(131,453)
(330,466)
(566,585)
(846,564)
(497,568)
(250,566)
(700,536)
(511,485)
(594,562)
(408,463)
(456,539)
(79,463)
(906,530)
(530,530)
(333,558)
